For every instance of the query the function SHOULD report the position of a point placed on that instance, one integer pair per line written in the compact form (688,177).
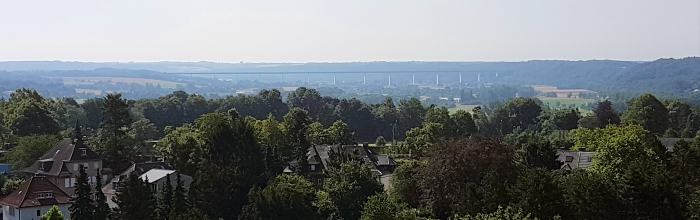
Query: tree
(296,125)
(135,200)
(507,213)
(440,115)
(102,211)
(112,141)
(537,192)
(566,119)
(410,114)
(53,214)
(166,199)
(464,123)
(589,196)
(467,176)
(382,206)
(287,197)
(27,113)
(380,141)
(349,186)
(339,133)
(230,167)
(605,114)
(632,159)
(516,113)
(29,149)
(82,207)
(648,112)
(534,150)
(405,185)
(272,140)
(685,171)
(180,204)
(182,147)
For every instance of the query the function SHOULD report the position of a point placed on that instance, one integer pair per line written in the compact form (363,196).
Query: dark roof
(359,152)
(64,151)
(575,159)
(27,195)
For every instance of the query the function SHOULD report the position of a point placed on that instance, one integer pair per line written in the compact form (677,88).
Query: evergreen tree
(82,207)
(232,165)
(605,114)
(112,140)
(166,201)
(102,211)
(179,199)
(135,200)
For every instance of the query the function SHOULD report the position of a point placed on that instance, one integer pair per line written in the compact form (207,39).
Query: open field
(558,103)
(115,80)
(467,108)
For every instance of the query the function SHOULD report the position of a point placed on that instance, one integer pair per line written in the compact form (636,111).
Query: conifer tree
(82,207)
(135,200)
(180,206)
(102,210)
(166,201)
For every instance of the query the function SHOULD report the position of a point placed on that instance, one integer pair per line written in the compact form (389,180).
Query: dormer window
(83,152)
(44,195)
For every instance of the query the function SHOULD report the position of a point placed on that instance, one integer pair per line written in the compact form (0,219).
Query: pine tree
(166,201)
(135,200)
(102,210)
(179,203)
(82,207)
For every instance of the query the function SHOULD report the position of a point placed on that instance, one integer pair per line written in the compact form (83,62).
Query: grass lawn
(467,108)
(560,103)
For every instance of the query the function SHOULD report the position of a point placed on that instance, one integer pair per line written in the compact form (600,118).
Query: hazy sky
(350,30)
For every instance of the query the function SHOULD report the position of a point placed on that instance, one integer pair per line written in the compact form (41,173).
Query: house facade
(33,199)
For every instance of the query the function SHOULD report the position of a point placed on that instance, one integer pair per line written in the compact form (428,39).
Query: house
(572,160)
(320,157)
(61,164)
(153,171)
(158,178)
(33,199)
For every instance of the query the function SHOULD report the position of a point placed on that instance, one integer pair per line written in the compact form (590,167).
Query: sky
(347,31)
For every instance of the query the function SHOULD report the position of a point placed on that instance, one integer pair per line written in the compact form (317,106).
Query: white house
(33,199)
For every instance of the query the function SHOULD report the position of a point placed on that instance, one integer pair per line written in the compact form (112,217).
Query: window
(45,195)
(66,182)
(313,167)
(83,152)
(38,212)
(76,167)
(12,211)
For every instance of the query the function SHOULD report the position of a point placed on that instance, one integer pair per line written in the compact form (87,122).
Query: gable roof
(27,195)
(64,151)
(154,175)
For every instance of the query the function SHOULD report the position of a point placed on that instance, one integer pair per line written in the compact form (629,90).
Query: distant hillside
(673,76)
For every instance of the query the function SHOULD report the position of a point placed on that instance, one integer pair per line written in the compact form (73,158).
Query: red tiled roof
(28,194)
